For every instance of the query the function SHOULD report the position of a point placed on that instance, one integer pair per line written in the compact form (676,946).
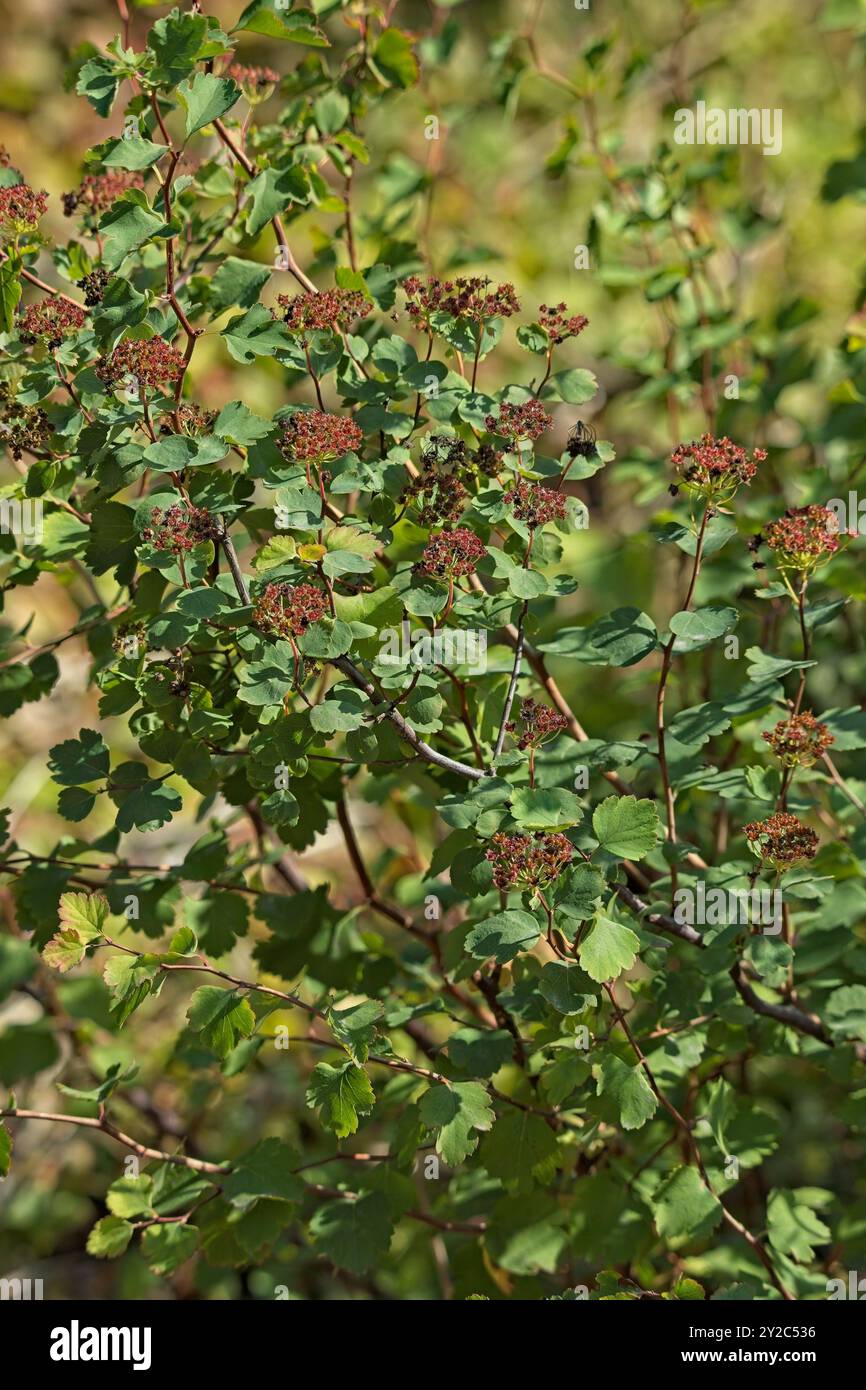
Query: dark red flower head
(255,81)
(552,318)
(465,297)
(452,554)
(50,319)
(804,537)
(537,722)
(716,466)
(20,210)
(323,310)
(799,741)
(97,192)
(310,436)
(287,610)
(781,841)
(152,361)
(535,505)
(180,527)
(516,422)
(530,861)
(23,428)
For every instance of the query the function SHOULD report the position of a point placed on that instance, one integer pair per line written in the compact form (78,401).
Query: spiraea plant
(414,994)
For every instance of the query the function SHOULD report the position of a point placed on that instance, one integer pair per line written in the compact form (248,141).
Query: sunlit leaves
(221,1017)
(341,1094)
(607,949)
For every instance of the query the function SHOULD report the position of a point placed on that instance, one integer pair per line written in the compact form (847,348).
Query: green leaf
(525,1236)
(109,1238)
(578,891)
(98,81)
(331,112)
(131,1196)
(625,827)
(221,1016)
(355,1026)
(127,226)
(122,307)
(64,951)
(521,1150)
(683,1208)
(271,192)
(503,936)
(278,22)
(621,638)
(254,334)
(353,1233)
(168,1246)
(845,1012)
(205,98)
(848,727)
(458,1111)
(575,385)
(10,294)
(144,805)
(343,710)
(480,1052)
(697,629)
(132,153)
(238,283)
(237,424)
(628,1088)
(340,1094)
(703,722)
(565,988)
(85,913)
(548,808)
(393,56)
(607,949)
(265,1171)
(5,1150)
(79,760)
(792,1225)
(176,41)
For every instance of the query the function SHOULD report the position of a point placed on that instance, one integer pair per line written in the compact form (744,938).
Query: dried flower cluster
(312,436)
(804,537)
(452,554)
(552,318)
(192,418)
(94,284)
(716,466)
(535,505)
(537,722)
(152,361)
(23,428)
(466,297)
(50,319)
(323,310)
(516,422)
(530,861)
(97,192)
(440,491)
(20,210)
(799,741)
(180,527)
(256,83)
(287,610)
(782,840)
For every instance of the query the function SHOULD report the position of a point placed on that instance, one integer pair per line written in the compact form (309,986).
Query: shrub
(520,1037)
